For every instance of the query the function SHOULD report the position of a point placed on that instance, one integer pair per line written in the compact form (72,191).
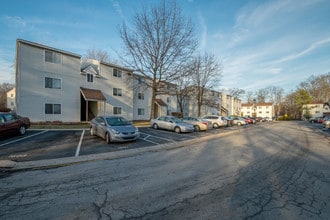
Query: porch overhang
(92,94)
(160,102)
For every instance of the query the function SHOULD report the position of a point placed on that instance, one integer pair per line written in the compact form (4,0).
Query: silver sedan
(171,123)
(199,124)
(114,129)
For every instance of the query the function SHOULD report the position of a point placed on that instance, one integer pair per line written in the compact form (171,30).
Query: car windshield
(176,120)
(117,121)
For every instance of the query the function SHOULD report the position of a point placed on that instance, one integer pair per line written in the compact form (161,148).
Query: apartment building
(258,110)
(316,109)
(57,85)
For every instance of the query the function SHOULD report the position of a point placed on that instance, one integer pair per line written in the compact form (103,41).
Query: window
(52,57)
(52,108)
(141,80)
(117,110)
(52,83)
(12,95)
(116,73)
(168,100)
(89,77)
(141,96)
(140,111)
(117,92)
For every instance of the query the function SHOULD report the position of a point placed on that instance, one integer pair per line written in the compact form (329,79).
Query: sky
(260,43)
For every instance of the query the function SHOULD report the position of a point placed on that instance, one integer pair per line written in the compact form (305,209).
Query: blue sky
(260,43)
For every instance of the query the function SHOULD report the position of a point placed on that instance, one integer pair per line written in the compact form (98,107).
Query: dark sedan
(11,123)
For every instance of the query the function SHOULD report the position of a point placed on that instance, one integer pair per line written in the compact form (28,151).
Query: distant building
(11,104)
(316,109)
(258,110)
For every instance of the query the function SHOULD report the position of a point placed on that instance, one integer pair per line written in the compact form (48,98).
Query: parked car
(216,120)
(248,120)
(11,123)
(171,123)
(113,129)
(326,122)
(198,123)
(322,119)
(230,121)
(238,121)
(313,120)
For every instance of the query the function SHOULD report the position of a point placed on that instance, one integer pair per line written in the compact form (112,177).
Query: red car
(249,120)
(11,123)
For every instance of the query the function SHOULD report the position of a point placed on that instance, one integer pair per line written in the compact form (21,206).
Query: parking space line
(79,145)
(23,138)
(145,139)
(166,139)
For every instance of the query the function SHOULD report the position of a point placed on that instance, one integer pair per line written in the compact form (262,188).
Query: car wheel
(177,130)
(215,125)
(108,138)
(22,130)
(91,130)
(155,126)
(197,128)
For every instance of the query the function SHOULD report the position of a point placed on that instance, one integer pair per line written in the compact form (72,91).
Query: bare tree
(98,54)
(318,87)
(261,95)
(276,96)
(250,97)
(206,74)
(160,42)
(236,92)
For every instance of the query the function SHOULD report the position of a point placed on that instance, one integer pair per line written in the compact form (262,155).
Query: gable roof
(41,46)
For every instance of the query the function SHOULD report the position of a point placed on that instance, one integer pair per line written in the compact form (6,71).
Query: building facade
(57,85)
(11,103)
(316,109)
(264,110)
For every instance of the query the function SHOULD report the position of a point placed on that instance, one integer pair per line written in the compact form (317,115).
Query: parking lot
(51,144)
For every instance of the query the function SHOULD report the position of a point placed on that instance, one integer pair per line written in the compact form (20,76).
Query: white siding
(32,95)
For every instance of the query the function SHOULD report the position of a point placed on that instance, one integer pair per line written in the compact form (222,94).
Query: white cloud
(15,21)
(311,48)
(6,71)
(203,28)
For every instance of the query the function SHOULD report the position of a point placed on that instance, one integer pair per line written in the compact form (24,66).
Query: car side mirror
(102,123)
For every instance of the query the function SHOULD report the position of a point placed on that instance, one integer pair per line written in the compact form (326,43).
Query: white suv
(217,121)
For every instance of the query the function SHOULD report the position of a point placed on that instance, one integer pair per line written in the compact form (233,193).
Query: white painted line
(79,145)
(145,139)
(26,137)
(158,137)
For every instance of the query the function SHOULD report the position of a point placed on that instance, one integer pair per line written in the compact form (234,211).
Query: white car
(198,123)
(171,123)
(326,123)
(238,121)
(217,120)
